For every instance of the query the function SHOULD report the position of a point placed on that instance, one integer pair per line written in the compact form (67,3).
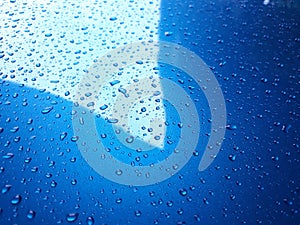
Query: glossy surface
(251,47)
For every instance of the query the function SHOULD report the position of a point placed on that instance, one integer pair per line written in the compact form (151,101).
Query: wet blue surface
(254,52)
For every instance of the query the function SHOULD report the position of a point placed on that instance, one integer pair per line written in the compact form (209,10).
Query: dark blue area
(254,52)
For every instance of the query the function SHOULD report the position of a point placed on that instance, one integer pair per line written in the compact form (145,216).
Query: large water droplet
(6,188)
(72,217)
(47,110)
(16,200)
(8,156)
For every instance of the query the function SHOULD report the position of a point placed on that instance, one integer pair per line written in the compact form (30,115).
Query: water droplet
(151,193)
(103,107)
(113,18)
(74,138)
(47,110)
(138,213)
(53,184)
(73,181)
(232,196)
(63,135)
(8,156)
(112,120)
(31,214)
(34,169)
(124,92)
(27,160)
(73,159)
(232,157)
(114,82)
(206,202)
(90,220)
(51,163)
(231,127)
(130,139)
(183,192)
(197,218)
(180,211)
(14,129)
(169,203)
(168,33)
(6,188)
(119,172)
(286,128)
(119,200)
(72,217)
(16,200)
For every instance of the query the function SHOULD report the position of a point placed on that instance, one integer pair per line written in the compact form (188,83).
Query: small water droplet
(63,135)
(232,157)
(130,139)
(206,202)
(103,107)
(169,203)
(27,160)
(119,200)
(53,184)
(112,120)
(168,33)
(138,213)
(14,129)
(114,82)
(231,127)
(73,181)
(183,192)
(113,18)
(74,138)
(90,220)
(31,214)
(119,172)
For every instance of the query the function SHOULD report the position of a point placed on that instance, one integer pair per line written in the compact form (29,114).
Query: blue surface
(254,52)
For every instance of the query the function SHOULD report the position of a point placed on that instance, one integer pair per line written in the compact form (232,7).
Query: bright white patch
(57,42)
